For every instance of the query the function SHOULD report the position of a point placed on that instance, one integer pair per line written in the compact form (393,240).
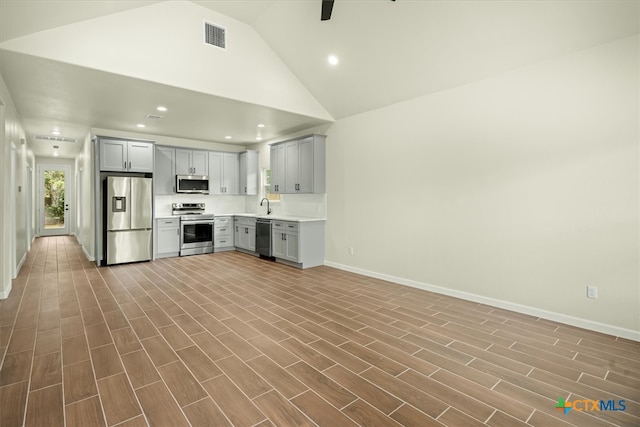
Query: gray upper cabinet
(249,173)
(191,162)
(292,167)
(118,155)
(278,167)
(298,166)
(164,181)
(223,173)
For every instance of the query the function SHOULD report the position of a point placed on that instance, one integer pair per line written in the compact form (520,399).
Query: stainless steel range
(196,228)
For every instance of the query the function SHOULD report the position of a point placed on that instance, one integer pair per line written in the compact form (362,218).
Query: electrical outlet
(350,251)
(592,292)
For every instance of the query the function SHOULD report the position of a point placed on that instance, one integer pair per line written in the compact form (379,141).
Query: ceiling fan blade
(327,7)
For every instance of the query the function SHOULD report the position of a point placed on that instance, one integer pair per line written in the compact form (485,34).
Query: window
(266,186)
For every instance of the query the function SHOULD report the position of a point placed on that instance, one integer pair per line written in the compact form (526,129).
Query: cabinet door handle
(125,165)
(129,165)
(284,237)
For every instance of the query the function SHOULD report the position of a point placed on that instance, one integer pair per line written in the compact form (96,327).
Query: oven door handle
(197,222)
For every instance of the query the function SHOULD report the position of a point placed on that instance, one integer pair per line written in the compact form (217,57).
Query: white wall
(169,49)
(85,210)
(13,191)
(521,188)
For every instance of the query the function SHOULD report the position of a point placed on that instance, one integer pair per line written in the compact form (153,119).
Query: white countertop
(276,217)
(293,218)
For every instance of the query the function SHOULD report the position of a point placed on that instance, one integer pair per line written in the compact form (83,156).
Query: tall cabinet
(298,165)
(165,176)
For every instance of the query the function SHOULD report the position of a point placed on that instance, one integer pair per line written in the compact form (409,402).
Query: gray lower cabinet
(300,244)
(223,235)
(167,237)
(245,233)
(284,240)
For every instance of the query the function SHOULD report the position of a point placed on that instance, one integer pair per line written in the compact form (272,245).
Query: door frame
(12,198)
(68,198)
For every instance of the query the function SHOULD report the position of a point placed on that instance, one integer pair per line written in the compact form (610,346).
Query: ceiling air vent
(53,138)
(215,35)
(153,117)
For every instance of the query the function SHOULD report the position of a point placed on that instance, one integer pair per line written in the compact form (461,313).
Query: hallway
(228,339)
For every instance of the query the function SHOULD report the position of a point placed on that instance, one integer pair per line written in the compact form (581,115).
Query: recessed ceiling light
(141,125)
(260,125)
(56,132)
(333,60)
(161,108)
(227,137)
(258,138)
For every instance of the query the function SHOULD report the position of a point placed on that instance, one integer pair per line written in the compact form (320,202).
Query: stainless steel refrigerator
(129,219)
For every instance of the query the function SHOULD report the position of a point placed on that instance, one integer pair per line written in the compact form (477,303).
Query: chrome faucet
(268,208)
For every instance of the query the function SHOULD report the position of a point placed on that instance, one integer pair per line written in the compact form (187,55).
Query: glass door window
(54,204)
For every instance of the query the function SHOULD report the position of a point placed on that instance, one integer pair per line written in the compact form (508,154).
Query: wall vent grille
(215,35)
(53,138)
(153,117)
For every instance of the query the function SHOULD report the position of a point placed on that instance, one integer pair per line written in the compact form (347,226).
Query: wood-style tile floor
(228,339)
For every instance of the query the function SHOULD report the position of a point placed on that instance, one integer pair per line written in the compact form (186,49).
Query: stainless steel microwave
(192,184)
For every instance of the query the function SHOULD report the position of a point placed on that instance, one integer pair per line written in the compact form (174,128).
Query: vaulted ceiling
(388,52)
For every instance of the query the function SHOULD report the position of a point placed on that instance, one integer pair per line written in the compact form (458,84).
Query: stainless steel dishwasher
(263,238)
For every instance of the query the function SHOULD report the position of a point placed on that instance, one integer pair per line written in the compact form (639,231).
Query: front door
(53,206)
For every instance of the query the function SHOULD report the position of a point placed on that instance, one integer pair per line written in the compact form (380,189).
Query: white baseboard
(507,305)
(20,264)
(5,294)
(87,254)
(84,250)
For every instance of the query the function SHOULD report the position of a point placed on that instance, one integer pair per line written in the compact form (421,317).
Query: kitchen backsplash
(303,205)
(214,204)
